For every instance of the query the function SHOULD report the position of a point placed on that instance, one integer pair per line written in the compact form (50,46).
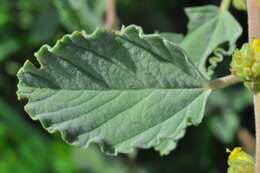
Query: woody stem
(254,32)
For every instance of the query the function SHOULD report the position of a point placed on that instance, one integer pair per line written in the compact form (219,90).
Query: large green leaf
(81,14)
(121,90)
(208,28)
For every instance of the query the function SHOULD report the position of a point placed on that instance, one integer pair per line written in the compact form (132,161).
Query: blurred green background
(25,147)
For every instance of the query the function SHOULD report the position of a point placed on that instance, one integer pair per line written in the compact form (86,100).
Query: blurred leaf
(81,14)
(8,115)
(42,32)
(236,99)
(225,125)
(12,68)
(93,160)
(4,13)
(17,154)
(224,107)
(208,28)
(112,74)
(7,47)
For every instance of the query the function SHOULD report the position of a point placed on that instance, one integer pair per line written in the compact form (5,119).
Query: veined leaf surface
(122,90)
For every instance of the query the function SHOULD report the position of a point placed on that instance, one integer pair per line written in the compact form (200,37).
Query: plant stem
(254,32)
(253,19)
(247,140)
(111,14)
(223,82)
(225,4)
(257,126)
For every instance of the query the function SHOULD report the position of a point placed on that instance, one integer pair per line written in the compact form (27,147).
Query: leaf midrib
(118,90)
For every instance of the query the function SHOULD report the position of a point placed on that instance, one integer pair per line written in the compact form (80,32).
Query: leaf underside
(122,90)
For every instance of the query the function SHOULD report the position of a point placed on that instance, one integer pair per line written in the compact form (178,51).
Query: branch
(257,127)
(253,19)
(225,4)
(223,82)
(254,32)
(247,140)
(111,14)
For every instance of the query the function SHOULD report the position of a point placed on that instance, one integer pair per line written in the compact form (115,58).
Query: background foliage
(25,147)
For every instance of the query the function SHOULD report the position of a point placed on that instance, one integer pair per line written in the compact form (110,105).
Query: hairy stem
(223,82)
(111,14)
(254,32)
(253,19)
(257,126)
(225,4)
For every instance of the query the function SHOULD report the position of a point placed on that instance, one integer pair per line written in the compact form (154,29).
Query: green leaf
(7,47)
(223,107)
(121,90)
(40,32)
(225,125)
(208,28)
(81,14)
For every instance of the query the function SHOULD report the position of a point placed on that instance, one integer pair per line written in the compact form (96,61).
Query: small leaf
(81,14)
(225,126)
(208,28)
(122,90)
(40,32)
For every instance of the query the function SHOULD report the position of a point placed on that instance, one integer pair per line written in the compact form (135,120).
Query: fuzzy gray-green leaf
(122,90)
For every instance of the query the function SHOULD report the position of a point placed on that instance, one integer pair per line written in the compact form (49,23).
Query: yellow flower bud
(256,45)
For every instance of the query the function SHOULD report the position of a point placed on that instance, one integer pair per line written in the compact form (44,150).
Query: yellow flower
(256,45)
(240,162)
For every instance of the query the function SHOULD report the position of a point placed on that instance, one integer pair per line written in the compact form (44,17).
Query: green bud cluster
(246,65)
(240,4)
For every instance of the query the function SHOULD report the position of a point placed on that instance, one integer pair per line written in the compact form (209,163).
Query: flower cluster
(246,65)
(240,162)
